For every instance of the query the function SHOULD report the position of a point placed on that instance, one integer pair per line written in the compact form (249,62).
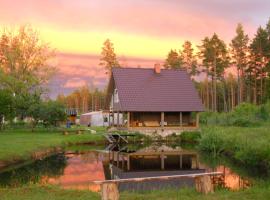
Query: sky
(143,31)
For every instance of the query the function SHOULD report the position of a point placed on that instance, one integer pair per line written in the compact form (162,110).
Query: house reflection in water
(154,161)
(164,161)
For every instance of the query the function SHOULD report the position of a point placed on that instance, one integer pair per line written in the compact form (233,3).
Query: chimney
(157,68)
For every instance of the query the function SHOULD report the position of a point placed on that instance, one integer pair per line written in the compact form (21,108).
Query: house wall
(150,119)
(153,119)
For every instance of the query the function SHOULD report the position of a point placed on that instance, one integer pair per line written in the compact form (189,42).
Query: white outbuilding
(97,118)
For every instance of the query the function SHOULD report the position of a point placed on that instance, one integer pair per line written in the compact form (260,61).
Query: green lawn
(20,144)
(55,193)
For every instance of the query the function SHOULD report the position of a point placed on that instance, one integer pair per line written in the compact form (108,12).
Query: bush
(244,115)
(190,136)
(212,142)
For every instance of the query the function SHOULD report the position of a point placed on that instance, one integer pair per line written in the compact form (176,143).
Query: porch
(155,120)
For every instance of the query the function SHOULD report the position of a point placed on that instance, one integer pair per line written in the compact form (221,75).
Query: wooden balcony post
(181,119)
(162,119)
(118,119)
(181,161)
(162,161)
(112,118)
(109,119)
(128,162)
(197,119)
(128,119)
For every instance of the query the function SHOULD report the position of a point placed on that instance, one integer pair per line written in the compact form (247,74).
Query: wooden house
(154,99)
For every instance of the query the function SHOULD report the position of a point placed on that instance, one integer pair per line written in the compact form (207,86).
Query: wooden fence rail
(203,183)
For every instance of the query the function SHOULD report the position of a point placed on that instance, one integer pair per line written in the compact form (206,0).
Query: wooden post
(109,119)
(109,191)
(193,162)
(181,162)
(123,119)
(112,118)
(197,120)
(197,162)
(128,162)
(162,161)
(117,119)
(128,119)
(181,119)
(204,184)
(162,119)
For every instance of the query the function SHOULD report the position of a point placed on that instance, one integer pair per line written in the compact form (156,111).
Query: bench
(203,183)
(78,132)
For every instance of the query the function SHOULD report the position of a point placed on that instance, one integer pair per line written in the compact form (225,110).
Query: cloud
(75,83)
(172,18)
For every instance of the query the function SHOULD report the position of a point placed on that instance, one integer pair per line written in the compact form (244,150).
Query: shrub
(243,115)
(190,136)
(212,142)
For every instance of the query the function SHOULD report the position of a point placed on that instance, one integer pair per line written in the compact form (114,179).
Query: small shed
(96,118)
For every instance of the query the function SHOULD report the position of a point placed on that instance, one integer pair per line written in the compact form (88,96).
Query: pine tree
(188,58)
(259,53)
(173,60)
(239,54)
(215,59)
(108,56)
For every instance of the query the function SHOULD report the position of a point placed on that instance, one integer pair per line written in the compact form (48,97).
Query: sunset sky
(143,31)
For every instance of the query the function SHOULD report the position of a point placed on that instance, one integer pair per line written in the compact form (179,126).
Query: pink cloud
(75,83)
(180,19)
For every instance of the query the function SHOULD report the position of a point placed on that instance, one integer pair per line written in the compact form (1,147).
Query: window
(115,95)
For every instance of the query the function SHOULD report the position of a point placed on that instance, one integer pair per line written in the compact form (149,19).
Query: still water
(76,167)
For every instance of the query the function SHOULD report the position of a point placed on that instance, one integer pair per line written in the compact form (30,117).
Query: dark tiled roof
(144,90)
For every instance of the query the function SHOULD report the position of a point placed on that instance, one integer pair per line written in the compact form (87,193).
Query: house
(153,99)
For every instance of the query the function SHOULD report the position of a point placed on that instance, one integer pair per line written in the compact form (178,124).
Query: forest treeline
(227,75)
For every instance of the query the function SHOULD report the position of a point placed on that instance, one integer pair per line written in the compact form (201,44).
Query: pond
(76,167)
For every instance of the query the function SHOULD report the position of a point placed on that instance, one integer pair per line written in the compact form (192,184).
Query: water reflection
(76,169)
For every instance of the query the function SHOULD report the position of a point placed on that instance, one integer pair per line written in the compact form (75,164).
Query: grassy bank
(52,192)
(249,146)
(21,144)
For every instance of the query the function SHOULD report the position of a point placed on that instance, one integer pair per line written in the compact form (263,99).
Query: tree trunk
(238,87)
(224,96)
(255,91)
(232,96)
(207,91)
(261,88)
(215,83)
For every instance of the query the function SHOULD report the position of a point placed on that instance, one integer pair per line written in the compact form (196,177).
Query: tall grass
(249,146)
(244,115)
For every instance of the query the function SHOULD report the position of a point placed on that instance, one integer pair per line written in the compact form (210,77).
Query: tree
(51,113)
(173,60)
(260,47)
(6,106)
(24,59)
(188,59)
(239,55)
(108,57)
(24,66)
(214,55)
